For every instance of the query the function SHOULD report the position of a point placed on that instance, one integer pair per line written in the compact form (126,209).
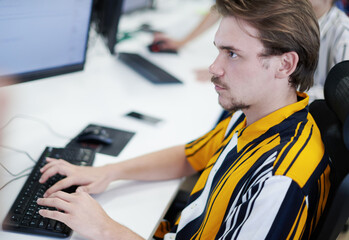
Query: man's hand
(84,215)
(90,179)
(167,42)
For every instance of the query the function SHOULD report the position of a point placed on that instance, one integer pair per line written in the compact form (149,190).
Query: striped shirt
(334,42)
(269,180)
(334,47)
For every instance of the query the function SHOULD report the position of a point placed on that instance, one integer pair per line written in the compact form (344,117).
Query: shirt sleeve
(273,209)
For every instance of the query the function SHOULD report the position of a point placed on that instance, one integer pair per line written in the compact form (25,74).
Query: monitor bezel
(45,73)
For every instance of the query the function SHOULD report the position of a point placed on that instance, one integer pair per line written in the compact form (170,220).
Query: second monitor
(105,16)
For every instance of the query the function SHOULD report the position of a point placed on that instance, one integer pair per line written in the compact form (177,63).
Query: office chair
(332,118)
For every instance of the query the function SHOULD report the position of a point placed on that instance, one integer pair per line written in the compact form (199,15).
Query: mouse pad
(120,140)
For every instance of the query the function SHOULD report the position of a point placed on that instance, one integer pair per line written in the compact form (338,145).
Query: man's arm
(166,164)
(168,43)
(170,163)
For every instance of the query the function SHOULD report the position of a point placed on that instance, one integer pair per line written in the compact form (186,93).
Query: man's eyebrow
(229,48)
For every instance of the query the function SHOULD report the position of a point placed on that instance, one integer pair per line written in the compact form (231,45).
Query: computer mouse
(96,135)
(156,48)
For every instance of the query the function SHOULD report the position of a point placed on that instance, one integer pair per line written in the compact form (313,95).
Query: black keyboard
(24,214)
(147,69)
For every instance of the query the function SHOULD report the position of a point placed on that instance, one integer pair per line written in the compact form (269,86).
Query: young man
(264,171)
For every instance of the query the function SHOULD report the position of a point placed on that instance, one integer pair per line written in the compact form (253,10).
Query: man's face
(242,78)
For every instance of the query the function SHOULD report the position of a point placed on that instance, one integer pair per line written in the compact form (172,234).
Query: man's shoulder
(337,14)
(338,19)
(302,155)
(334,24)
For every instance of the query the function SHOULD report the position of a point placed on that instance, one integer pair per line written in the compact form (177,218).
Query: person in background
(264,170)
(334,41)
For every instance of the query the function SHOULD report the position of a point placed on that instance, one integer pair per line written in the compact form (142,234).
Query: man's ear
(288,64)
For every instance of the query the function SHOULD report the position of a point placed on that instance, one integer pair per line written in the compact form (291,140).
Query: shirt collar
(256,129)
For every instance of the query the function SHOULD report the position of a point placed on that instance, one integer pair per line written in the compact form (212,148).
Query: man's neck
(254,113)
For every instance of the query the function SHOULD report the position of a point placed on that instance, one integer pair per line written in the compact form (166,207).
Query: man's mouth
(218,86)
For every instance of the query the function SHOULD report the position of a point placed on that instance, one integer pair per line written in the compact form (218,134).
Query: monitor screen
(106,15)
(41,38)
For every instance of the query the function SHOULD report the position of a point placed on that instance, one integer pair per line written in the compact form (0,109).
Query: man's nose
(215,68)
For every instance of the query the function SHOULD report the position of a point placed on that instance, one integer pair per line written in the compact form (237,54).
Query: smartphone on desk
(144,118)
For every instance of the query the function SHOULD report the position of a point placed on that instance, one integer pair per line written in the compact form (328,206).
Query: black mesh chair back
(336,93)
(331,116)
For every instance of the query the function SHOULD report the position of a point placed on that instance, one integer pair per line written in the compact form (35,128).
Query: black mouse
(96,135)
(156,48)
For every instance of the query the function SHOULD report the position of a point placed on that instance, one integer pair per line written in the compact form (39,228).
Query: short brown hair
(283,26)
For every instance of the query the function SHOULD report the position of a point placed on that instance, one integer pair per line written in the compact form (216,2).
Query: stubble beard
(232,105)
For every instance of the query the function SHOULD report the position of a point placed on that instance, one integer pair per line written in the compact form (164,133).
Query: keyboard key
(43,223)
(59,227)
(33,223)
(51,224)
(15,218)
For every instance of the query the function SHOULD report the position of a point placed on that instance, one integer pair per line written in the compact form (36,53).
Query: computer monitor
(106,15)
(41,38)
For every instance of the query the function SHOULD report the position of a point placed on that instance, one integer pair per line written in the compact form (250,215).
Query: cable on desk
(19,151)
(14,179)
(23,116)
(15,174)
(18,175)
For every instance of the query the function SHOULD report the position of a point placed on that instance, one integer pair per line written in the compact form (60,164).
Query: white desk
(102,94)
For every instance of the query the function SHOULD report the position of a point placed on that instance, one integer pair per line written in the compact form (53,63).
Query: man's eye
(232,54)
